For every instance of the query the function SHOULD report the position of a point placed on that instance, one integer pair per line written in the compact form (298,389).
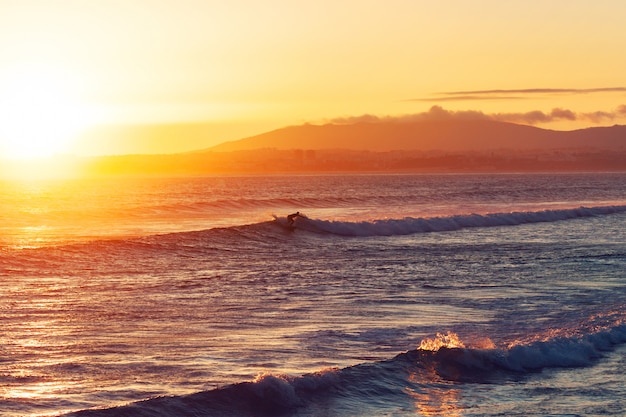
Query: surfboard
(283,222)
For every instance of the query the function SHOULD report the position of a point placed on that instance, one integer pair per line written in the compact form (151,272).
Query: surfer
(292,218)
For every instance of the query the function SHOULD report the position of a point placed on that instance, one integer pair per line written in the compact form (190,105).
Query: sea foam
(277,394)
(479,365)
(410,225)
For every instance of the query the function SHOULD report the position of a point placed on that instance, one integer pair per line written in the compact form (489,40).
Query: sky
(239,68)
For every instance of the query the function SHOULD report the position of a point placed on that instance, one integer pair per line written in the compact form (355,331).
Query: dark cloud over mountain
(530,117)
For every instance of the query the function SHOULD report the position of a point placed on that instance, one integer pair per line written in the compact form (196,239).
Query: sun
(40,112)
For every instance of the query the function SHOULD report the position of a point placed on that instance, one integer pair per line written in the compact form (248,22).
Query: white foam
(410,225)
(560,352)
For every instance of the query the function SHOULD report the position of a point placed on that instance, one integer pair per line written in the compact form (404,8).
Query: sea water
(396,295)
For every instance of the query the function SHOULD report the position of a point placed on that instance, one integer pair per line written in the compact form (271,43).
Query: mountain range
(432,135)
(391,146)
(381,146)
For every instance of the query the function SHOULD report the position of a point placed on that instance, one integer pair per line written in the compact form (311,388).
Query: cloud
(563,114)
(435,113)
(469,98)
(513,94)
(365,118)
(541,91)
(537,116)
(530,118)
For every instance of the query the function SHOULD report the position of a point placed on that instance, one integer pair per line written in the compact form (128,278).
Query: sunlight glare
(40,112)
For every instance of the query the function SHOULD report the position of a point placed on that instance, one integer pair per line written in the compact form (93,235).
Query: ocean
(393,295)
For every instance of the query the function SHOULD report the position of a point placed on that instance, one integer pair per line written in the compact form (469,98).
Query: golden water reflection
(434,400)
(434,396)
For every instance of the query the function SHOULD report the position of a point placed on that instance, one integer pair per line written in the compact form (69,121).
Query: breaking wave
(410,225)
(443,358)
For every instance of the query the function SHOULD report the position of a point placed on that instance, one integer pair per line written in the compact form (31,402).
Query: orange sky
(244,67)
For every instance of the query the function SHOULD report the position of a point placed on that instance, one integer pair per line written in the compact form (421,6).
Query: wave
(410,225)
(443,359)
(255,204)
(278,230)
(463,364)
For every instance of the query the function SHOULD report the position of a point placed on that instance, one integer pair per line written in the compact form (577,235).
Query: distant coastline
(446,146)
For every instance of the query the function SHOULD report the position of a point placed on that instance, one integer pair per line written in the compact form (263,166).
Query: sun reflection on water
(437,401)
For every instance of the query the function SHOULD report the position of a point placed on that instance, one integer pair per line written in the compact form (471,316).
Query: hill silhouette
(391,146)
(381,146)
(432,135)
